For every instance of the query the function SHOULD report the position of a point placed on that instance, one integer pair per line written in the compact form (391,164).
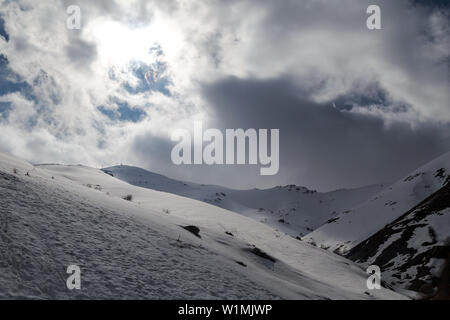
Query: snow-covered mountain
(291,209)
(352,227)
(412,250)
(133,242)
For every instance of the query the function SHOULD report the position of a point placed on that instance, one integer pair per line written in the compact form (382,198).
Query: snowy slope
(291,209)
(358,224)
(60,215)
(412,250)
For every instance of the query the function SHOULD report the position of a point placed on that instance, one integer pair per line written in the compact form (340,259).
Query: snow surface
(352,227)
(291,209)
(58,215)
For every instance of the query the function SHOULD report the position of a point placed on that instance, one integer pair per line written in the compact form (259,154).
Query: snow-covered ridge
(53,216)
(352,227)
(412,250)
(292,209)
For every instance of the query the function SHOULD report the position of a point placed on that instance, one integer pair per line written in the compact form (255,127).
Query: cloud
(80,52)
(354,106)
(322,146)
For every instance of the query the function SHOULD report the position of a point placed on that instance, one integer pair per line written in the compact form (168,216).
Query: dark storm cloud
(321,146)
(325,146)
(153,153)
(432,3)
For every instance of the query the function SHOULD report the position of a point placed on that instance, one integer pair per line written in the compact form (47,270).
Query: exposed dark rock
(262,254)
(193,229)
(128,197)
(406,227)
(443,292)
(241,263)
(333,220)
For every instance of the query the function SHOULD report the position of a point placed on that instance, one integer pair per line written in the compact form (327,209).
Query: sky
(354,106)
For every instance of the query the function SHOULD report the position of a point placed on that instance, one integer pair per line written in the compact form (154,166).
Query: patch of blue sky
(375,96)
(124,112)
(10,83)
(5,108)
(150,78)
(3,32)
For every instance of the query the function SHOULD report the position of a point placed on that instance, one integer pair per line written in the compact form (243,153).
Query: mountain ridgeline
(403,227)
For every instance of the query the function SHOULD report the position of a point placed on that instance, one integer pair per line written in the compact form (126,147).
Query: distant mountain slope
(53,216)
(412,249)
(292,209)
(354,226)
